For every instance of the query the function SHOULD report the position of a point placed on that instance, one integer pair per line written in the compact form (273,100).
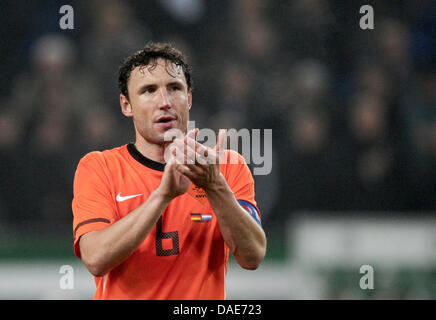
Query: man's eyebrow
(176,82)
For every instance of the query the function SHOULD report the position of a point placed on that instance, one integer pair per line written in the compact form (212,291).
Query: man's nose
(164,100)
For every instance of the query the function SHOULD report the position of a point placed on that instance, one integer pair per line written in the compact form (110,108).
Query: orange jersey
(184,256)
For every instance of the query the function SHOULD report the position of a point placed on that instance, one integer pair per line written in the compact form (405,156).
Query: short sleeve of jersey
(239,178)
(93,206)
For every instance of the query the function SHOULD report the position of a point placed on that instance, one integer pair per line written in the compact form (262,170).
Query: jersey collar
(138,156)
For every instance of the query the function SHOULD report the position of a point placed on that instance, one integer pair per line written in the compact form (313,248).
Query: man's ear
(126,108)
(189,99)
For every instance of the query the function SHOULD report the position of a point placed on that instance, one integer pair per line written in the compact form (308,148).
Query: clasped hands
(199,163)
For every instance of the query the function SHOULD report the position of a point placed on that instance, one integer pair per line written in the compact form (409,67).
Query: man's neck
(151,151)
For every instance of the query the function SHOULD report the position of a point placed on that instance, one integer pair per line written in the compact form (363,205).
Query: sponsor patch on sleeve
(251,210)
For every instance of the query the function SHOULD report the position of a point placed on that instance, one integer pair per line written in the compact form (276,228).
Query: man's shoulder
(103,156)
(233,165)
(232,157)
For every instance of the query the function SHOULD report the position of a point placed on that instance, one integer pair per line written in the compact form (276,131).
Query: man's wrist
(162,196)
(218,185)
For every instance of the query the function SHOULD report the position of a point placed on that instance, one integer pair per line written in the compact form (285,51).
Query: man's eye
(149,90)
(175,88)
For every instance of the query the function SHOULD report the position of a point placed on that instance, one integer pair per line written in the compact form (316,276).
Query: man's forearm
(243,235)
(104,249)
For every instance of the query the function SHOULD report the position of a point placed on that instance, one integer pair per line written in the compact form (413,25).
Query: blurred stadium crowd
(353,111)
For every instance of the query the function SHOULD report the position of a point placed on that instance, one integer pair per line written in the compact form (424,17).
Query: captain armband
(251,210)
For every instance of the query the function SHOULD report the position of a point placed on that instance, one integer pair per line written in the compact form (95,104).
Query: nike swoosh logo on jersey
(121,199)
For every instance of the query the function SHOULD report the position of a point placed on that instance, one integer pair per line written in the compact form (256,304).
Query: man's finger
(197,146)
(195,169)
(186,153)
(198,151)
(222,136)
(178,151)
(183,169)
(192,133)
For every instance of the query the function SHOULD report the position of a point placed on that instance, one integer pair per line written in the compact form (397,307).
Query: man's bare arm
(244,236)
(104,249)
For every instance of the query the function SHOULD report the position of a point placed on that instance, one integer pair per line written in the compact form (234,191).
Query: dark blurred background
(353,111)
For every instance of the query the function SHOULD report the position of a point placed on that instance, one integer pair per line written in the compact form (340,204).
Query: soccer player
(147,228)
